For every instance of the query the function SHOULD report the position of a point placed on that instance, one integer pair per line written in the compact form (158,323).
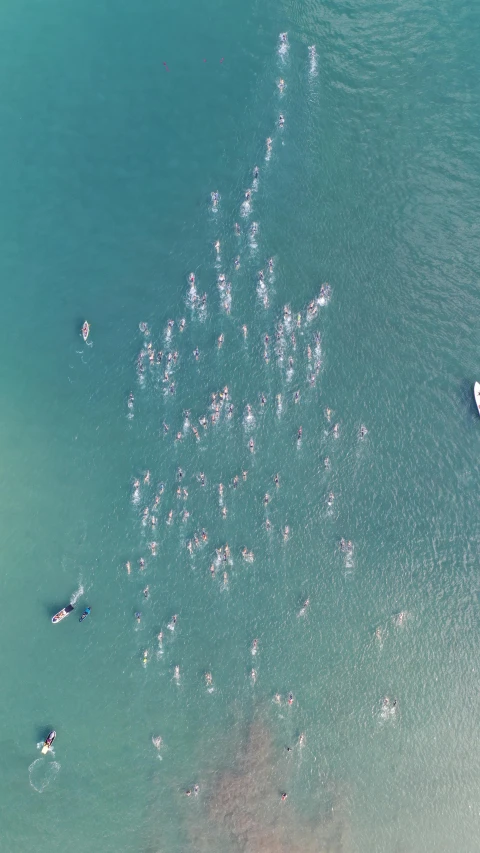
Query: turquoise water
(107,163)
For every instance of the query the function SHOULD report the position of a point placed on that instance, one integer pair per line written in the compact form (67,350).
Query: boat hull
(476,394)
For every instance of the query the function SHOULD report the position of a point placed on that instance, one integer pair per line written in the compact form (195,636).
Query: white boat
(62,614)
(476,394)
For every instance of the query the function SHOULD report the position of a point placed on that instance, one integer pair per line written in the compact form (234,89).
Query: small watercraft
(476,394)
(47,744)
(62,614)
(85,331)
(85,614)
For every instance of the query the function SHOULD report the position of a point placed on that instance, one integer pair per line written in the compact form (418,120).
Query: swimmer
(176,673)
(180,473)
(251,445)
(283,38)
(160,638)
(157,742)
(128,567)
(170,516)
(203,421)
(235,481)
(141,563)
(244,331)
(153,548)
(230,411)
(331,499)
(138,617)
(216,246)
(286,533)
(208,678)
(201,478)
(190,546)
(302,610)
(378,634)
(269,143)
(253,675)
(263,400)
(248,195)
(290,699)
(281,120)
(220,340)
(196,353)
(153,520)
(401,618)
(146,592)
(224,511)
(284,796)
(266,499)
(260,275)
(131,398)
(181,324)
(281,85)
(336,431)
(363,431)
(254,648)
(172,623)
(276,480)
(326,462)
(145,657)
(214,196)
(301,739)
(296,396)
(268,525)
(225,579)
(256,172)
(165,427)
(220,489)
(244,475)
(143,328)
(196,433)
(204,535)
(188,792)
(196,540)
(212,569)
(237,229)
(236,262)
(277,698)
(299,434)
(145,515)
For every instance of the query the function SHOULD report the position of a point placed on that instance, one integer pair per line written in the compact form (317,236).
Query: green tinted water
(108,161)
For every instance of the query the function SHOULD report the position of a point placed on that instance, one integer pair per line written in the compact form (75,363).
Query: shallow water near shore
(109,157)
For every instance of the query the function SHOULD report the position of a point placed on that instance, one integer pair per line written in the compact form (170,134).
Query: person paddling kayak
(85,614)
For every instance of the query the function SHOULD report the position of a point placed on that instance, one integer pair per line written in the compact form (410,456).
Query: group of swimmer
(282,344)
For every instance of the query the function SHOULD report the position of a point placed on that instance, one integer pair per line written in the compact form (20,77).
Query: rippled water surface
(118,123)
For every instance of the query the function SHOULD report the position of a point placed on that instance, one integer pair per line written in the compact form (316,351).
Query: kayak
(476,394)
(47,745)
(62,614)
(85,330)
(85,614)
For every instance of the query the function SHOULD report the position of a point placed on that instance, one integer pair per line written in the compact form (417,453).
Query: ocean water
(118,121)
